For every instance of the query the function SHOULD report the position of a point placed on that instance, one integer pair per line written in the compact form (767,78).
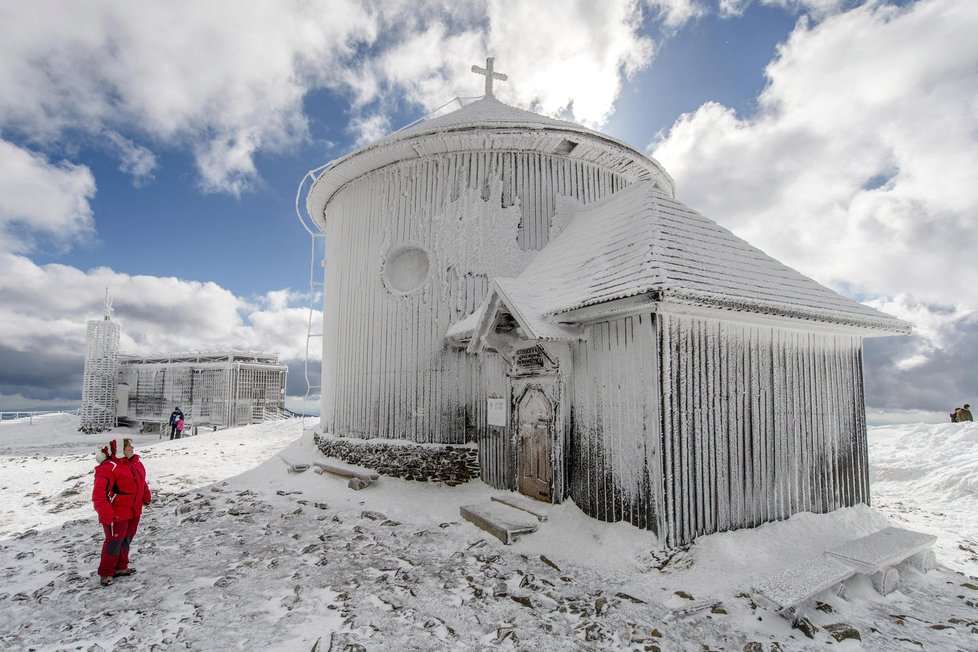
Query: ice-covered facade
(500,277)
(98,404)
(220,389)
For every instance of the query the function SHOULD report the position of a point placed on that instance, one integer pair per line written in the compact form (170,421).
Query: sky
(156,149)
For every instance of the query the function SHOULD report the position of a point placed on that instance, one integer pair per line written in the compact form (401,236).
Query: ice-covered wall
(614,438)
(387,370)
(210,393)
(689,426)
(758,423)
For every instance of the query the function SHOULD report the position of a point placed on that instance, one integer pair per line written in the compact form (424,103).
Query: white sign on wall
(496,411)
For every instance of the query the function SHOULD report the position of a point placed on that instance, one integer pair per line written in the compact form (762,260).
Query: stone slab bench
(876,554)
(793,586)
(873,555)
(504,523)
(522,503)
(888,547)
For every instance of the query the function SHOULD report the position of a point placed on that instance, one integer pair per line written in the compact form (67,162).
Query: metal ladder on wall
(316,283)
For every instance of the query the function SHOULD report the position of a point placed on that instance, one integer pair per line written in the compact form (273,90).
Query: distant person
(174,417)
(118,494)
(962,414)
(180,427)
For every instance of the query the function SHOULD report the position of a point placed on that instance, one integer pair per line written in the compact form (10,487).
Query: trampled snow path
(278,560)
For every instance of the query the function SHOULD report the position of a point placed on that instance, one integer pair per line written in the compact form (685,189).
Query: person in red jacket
(119,493)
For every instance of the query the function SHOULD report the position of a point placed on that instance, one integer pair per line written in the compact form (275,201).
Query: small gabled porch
(525,443)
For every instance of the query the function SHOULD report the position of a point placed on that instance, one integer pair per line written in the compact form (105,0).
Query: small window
(565,147)
(405,269)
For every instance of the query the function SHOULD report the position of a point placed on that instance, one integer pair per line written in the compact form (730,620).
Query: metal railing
(30,414)
(276,414)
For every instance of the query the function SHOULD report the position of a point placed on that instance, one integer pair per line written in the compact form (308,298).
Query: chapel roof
(485,124)
(638,241)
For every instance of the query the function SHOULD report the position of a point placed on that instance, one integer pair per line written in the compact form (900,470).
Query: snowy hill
(236,552)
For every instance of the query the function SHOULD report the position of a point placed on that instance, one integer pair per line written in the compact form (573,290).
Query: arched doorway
(535,445)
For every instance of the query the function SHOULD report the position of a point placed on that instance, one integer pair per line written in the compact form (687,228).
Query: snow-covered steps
(888,547)
(522,503)
(874,555)
(503,522)
(793,586)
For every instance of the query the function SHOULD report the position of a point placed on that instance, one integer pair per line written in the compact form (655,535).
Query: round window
(406,269)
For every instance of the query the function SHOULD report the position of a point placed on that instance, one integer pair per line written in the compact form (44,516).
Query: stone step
(888,547)
(503,522)
(795,585)
(522,503)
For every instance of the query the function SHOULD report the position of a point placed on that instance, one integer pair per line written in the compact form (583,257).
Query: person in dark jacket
(176,415)
(119,493)
(963,414)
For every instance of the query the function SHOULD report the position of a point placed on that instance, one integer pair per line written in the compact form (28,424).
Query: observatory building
(217,389)
(535,287)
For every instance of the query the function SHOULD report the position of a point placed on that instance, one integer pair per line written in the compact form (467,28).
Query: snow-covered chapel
(534,287)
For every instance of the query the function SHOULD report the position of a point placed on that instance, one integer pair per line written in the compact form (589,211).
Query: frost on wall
(471,216)
(614,442)
(480,237)
(475,240)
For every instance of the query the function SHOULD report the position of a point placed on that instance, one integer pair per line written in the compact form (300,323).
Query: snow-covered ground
(236,552)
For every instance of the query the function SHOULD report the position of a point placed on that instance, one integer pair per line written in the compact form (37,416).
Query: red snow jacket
(119,490)
(135,473)
(105,494)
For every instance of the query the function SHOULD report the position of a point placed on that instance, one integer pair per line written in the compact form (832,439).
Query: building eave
(721,308)
(479,137)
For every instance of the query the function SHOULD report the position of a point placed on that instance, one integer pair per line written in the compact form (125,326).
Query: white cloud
(560,55)
(814,8)
(937,330)
(859,167)
(227,80)
(676,13)
(368,129)
(44,310)
(40,197)
(222,77)
(567,55)
(134,160)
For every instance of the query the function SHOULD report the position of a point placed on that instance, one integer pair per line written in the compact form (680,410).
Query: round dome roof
(485,123)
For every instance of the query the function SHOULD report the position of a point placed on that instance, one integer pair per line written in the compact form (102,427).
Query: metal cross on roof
(490,75)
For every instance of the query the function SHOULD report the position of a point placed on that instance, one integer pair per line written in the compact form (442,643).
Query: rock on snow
(236,552)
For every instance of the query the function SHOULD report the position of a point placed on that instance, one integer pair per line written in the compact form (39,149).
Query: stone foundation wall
(452,465)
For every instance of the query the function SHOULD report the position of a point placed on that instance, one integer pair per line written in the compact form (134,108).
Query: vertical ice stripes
(758,423)
(387,370)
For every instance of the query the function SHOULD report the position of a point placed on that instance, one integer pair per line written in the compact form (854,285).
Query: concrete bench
(504,523)
(790,588)
(876,555)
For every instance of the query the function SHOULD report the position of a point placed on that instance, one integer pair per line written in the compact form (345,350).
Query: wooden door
(535,445)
